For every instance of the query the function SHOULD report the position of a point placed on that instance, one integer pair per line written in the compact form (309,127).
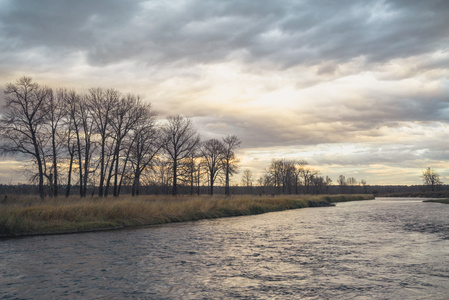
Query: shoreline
(442,201)
(31,217)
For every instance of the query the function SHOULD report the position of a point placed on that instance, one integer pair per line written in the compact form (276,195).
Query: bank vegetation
(30,215)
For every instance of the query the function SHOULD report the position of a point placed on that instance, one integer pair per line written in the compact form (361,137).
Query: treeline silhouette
(102,141)
(378,190)
(106,143)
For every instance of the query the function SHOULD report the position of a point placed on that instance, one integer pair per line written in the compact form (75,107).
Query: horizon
(358,89)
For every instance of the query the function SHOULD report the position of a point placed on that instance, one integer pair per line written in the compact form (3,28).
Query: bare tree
(285,175)
(247,179)
(213,157)
(308,175)
(193,166)
(363,184)
(180,138)
(70,142)
(55,114)
(230,143)
(328,182)
(161,176)
(352,182)
(102,103)
(341,182)
(297,172)
(431,178)
(73,103)
(22,122)
(85,131)
(128,113)
(144,149)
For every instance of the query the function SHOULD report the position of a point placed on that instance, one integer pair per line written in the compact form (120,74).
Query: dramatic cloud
(351,86)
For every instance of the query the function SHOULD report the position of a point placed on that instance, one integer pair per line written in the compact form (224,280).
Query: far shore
(424,194)
(28,215)
(443,201)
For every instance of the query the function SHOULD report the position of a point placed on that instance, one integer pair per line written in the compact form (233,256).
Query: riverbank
(444,201)
(22,215)
(427,194)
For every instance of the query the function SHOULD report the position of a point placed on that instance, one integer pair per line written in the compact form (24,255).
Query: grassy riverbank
(444,201)
(26,215)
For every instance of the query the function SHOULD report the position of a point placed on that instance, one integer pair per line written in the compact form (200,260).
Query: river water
(388,248)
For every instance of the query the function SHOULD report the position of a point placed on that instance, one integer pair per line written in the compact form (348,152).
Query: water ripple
(382,249)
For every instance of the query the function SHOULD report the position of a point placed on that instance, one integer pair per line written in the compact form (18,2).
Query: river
(388,248)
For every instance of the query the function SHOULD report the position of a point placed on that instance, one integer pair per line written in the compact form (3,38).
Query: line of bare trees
(105,139)
(290,176)
(348,185)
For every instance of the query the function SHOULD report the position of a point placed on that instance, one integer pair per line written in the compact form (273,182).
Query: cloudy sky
(358,88)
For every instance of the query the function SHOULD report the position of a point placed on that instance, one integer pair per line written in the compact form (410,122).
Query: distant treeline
(105,143)
(377,190)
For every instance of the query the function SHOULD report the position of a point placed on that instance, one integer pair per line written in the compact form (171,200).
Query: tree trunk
(198,182)
(55,166)
(86,168)
(100,187)
(80,162)
(211,185)
(175,187)
(227,192)
(41,178)
(39,164)
(69,176)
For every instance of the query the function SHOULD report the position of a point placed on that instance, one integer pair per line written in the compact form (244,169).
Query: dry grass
(24,215)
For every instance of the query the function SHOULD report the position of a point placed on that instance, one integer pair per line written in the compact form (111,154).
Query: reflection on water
(382,249)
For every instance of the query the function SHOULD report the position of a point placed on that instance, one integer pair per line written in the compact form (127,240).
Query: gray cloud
(285,33)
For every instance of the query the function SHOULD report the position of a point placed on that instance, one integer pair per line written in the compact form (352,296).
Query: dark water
(381,249)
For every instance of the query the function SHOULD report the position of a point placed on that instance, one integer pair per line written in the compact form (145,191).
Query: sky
(358,88)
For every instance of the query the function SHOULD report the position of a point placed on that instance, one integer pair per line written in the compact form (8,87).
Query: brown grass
(27,215)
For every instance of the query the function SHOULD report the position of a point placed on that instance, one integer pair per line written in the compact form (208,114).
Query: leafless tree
(247,179)
(285,175)
(88,130)
(341,181)
(162,175)
(328,182)
(297,173)
(213,156)
(351,182)
(73,104)
(144,149)
(128,113)
(230,161)
(180,138)
(308,175)
(363,184)
(431,178)
(102,103)
(55,114)
(193,171)
(70,142)
(22,121)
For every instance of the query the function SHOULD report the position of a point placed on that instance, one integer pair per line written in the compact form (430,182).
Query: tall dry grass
(23,215)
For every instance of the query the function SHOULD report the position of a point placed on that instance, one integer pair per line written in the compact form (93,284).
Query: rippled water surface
(381,249)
